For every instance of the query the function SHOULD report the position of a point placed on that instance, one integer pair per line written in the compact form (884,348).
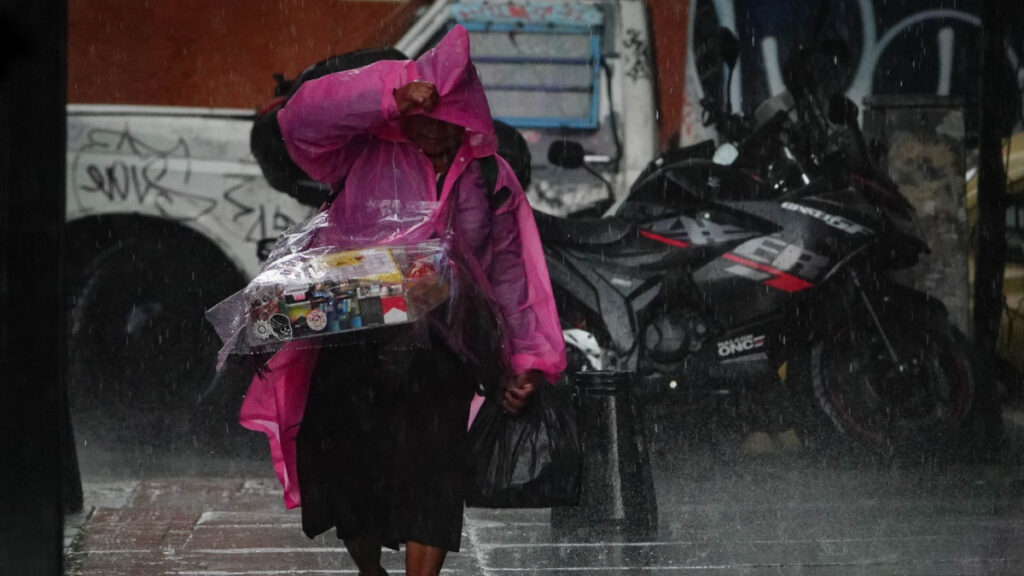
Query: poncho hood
(462,99)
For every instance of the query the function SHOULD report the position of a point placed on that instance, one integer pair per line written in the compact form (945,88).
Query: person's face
(432,136)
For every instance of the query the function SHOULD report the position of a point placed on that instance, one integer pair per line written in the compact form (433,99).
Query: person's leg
(365,551)
(423,560)
(430,464)
(340,445)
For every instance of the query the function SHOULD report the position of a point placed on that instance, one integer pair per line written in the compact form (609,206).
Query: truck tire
(140,350)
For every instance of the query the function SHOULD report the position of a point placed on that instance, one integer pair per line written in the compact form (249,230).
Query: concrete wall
(923,151)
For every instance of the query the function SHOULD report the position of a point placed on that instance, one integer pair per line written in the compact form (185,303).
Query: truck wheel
(140,350)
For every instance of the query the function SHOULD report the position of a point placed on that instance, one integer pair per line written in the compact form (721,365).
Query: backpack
(266,142)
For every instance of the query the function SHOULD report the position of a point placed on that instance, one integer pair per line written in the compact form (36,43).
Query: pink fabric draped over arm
(328,122)
(274,405)
(506,244)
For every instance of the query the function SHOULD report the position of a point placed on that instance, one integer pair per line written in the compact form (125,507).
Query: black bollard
(618,489)
(71,476)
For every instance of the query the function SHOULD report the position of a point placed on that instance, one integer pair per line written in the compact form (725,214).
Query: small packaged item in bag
(319,295)
(307,292)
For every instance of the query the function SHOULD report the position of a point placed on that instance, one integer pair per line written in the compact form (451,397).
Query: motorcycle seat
(584,232)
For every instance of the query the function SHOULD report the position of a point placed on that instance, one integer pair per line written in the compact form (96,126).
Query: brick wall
(216,53)
(669,25)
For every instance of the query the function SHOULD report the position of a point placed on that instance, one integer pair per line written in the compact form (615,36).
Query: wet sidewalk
(720,511)
(762,516)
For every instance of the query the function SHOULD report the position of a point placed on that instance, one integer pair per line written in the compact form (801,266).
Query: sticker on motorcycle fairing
(776,263)
(837,222)
(682,231)
(745,343)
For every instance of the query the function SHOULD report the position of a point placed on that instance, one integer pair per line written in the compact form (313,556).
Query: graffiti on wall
(117,166)
(893,47)
(638,47)
(262,220)
(116,170)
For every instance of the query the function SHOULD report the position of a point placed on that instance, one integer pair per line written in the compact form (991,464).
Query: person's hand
(518,391)
(416,94)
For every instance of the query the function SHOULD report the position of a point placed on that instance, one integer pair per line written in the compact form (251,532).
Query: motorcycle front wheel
(913,393)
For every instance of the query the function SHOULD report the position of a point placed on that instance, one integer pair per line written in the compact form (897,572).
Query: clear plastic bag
(315,295)
(325,279)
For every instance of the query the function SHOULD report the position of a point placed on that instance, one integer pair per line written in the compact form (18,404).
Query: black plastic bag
(533,460)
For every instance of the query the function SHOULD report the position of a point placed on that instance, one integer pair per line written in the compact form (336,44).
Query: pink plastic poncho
(343,130)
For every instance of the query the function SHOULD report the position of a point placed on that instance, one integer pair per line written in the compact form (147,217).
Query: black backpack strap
(333,194)
(489,171)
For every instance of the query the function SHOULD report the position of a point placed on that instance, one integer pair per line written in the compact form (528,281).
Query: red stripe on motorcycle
(781,280)
(663,240)
(789,283)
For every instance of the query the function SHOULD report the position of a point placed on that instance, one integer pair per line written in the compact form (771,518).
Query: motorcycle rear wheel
(932,403)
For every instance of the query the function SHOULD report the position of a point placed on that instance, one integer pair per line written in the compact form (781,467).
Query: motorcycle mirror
(566,154)
(728,47)
(715,48)
(726,154)
(842,111)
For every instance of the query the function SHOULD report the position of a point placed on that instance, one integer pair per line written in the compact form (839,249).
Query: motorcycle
(727,262)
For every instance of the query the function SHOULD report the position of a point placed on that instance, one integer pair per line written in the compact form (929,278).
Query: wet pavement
(719,512)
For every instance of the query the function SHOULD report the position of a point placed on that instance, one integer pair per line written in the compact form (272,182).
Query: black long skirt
(382,446)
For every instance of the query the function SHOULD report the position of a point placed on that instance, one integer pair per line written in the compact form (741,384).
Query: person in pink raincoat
(377,453)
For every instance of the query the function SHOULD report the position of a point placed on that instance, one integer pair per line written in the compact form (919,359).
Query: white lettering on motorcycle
(744,343)
(832,220)
(776,253)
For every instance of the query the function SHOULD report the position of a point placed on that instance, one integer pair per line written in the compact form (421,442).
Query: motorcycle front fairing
(686,330)
(761,289)
(611,283)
